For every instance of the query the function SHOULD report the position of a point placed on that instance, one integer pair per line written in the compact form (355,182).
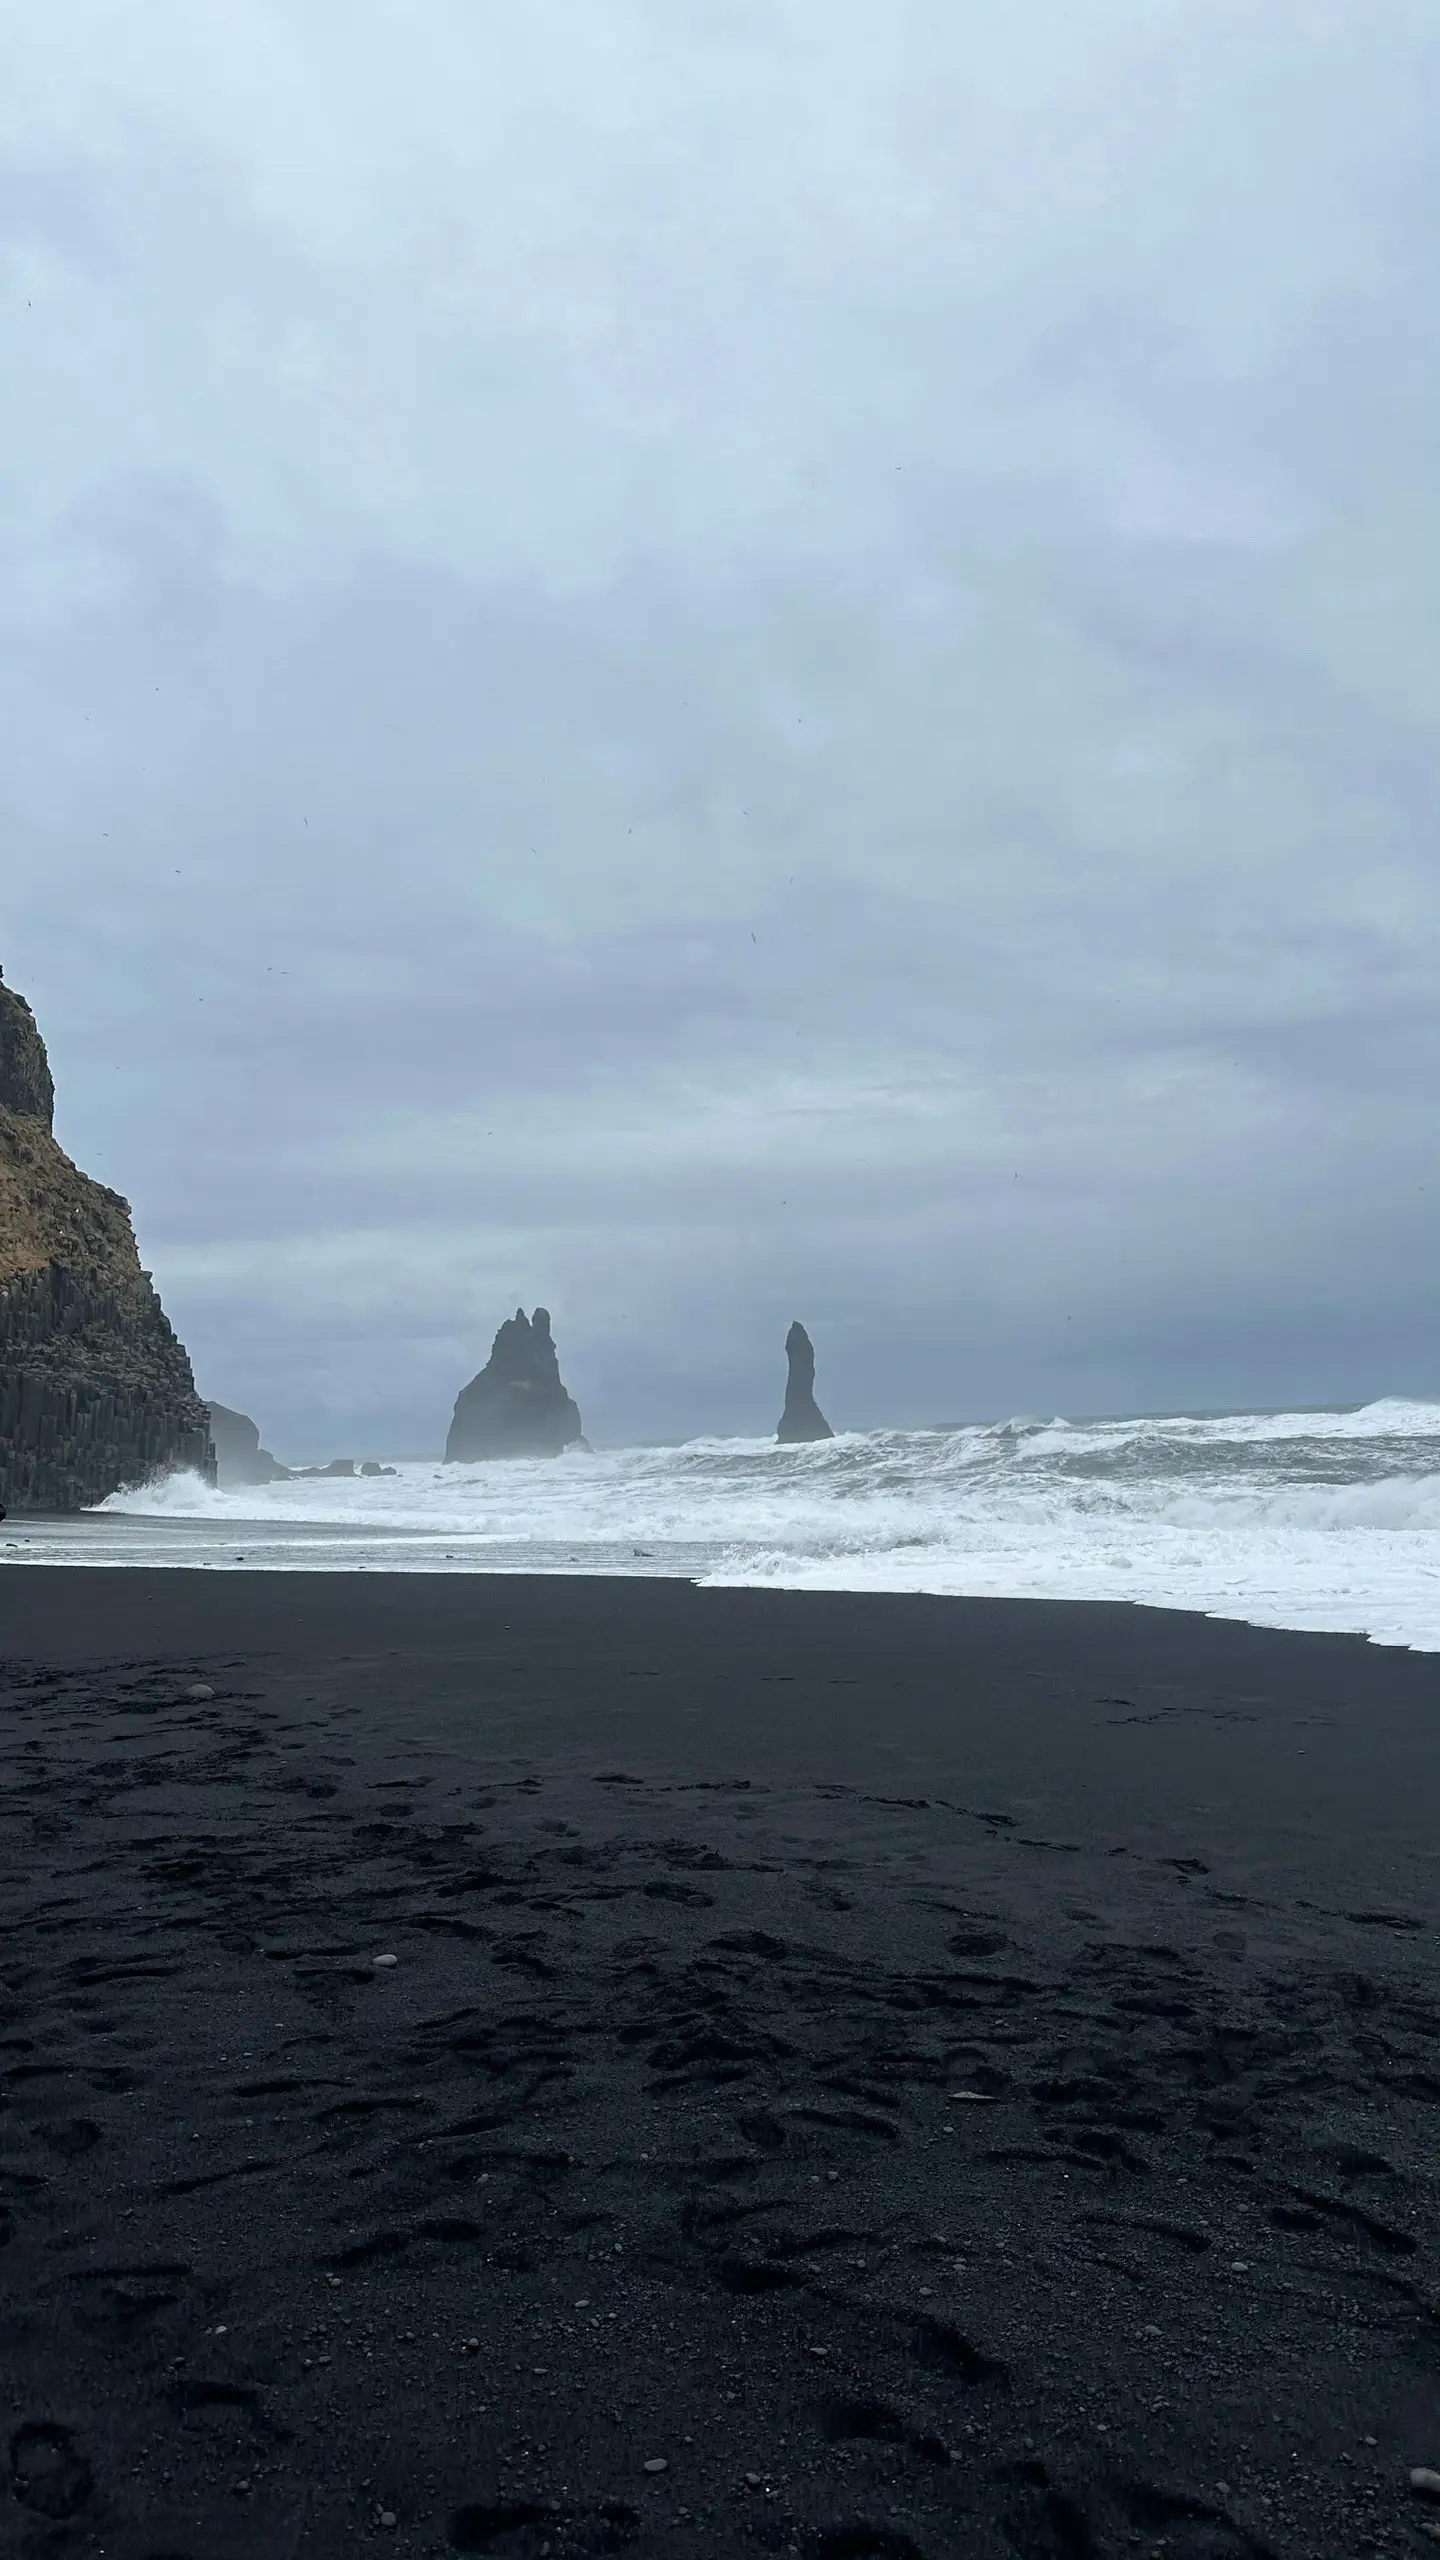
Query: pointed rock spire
(802,1418)
(517,1407)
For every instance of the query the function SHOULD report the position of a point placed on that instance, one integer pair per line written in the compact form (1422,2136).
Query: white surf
(1323,1520)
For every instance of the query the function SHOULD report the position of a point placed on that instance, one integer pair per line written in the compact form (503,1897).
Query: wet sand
(858,2076)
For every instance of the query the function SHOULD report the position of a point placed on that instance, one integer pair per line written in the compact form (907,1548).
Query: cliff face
(802,1418)
(95,1390)
(517,1407)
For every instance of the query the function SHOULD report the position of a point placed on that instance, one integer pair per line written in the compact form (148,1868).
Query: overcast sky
(731,659)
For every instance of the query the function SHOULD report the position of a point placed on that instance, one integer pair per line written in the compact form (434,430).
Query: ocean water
(1307,1519)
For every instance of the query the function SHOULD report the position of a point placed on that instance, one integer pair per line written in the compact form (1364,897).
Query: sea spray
(1305,1519)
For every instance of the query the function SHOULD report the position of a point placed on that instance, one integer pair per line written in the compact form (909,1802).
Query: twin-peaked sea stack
(802,1418)
(95,1391)
(517,1407)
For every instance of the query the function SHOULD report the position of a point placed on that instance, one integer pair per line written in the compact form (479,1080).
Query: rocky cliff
(517,1407)
(95,1390)
(802,1418)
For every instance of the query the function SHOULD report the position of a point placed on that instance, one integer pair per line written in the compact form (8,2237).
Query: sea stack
(802,1418)
(239,1457)
(517,1407)
(95,1391)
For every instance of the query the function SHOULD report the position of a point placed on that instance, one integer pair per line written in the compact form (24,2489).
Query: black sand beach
(857,2076)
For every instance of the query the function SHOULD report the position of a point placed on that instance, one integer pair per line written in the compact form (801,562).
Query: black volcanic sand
(936,2077)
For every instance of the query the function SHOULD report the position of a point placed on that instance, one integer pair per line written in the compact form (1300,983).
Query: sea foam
(1304,1519)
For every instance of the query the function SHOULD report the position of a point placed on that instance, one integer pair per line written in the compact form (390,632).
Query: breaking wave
(1305,1519)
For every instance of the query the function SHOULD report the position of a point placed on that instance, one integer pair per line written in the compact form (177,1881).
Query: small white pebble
(819,2351)
(1425,2483)
(752,2479)
(583,2302)
(384,1961)
(387,2516)
(657,2462)
(972,2098)
(197,1691)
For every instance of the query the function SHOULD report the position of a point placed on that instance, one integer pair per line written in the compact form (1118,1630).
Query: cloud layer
(716,663)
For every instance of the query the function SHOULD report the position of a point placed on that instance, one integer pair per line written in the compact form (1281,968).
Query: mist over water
(1322,1520)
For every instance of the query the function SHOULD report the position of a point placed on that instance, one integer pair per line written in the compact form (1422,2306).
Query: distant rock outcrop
(517,1407)
(802,1418)
(95,1390)
(238,1454)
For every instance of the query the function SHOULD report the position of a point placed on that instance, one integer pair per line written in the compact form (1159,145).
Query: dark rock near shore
(96,1392)
(517,1407)
(238,1455)
(802,1418)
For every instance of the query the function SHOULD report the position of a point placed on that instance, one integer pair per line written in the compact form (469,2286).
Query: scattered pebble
(1426,2484)
(972,2098)
(584,2302)
(384,1962)
(241,2488)
(197,1692)
(657,2462)
(386,2516)
(752,2479)
(819,2351)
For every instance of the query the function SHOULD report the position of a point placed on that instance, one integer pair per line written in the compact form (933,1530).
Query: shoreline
(700,1565)
(931,2074)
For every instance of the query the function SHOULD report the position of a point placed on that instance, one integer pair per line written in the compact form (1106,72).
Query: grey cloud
(755,666)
